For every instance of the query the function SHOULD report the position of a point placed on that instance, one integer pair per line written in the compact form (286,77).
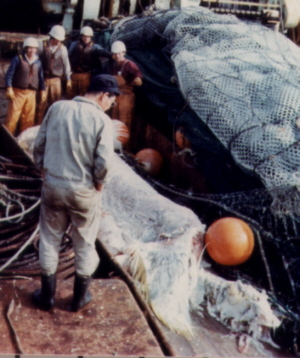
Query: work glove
(69,86)
(10,93)
(43,96)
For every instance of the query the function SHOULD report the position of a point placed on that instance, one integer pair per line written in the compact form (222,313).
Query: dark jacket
(86,58)
(21,74)
(55,64)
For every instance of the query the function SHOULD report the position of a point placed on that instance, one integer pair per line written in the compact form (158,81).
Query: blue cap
(104,83)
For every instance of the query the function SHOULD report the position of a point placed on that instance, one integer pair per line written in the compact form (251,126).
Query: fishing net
(234,88)
(241,79)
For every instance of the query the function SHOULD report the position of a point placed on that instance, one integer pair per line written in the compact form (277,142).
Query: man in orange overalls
(128,76)
(85,59)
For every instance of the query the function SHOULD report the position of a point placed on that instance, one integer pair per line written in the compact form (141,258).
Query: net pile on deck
(234,88)
(19,215)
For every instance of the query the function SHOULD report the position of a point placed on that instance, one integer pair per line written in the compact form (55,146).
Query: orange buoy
(230,241)
(151,160)
(121,131)
(181,140)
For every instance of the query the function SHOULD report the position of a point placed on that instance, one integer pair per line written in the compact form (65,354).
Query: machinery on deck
(38,16)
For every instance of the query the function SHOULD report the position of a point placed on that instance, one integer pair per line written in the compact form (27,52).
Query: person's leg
(83,83)
(85,220)
(126,109)
(53,224)
(54,90)
(75,86)
(28,111)
(41,107)
(15,107)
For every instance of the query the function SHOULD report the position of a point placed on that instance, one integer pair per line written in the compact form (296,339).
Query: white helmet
(58,32)
(30,42)
(87,31)
(117,47)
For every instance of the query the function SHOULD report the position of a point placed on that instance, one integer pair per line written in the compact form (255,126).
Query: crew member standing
(85,58)
(128,76)
(74,147)
(56,65)
(23,78)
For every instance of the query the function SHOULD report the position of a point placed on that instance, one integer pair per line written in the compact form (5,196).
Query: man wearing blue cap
(74,148)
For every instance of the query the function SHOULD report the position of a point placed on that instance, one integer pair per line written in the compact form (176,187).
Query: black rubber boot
(82,295)
(44,297)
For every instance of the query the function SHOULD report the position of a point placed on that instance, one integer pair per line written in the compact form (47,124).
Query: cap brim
(116,92)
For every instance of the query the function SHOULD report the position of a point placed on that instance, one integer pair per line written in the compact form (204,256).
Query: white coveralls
(74,146)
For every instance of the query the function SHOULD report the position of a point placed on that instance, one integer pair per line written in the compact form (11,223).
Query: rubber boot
(82,295)
(44,297)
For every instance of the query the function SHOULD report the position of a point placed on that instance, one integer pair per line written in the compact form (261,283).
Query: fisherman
(74,148)
(56,66)
(128,76)
(24,78)
(85,58)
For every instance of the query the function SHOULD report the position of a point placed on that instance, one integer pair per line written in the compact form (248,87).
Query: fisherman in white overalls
(74,148)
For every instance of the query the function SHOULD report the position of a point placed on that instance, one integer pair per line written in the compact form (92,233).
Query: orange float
(230,241)
(181,140)
(121,131)
(151,160)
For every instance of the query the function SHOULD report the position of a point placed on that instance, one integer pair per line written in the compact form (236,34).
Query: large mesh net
(242,80)
(234,86)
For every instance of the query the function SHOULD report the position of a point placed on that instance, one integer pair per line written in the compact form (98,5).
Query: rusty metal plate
(112,324)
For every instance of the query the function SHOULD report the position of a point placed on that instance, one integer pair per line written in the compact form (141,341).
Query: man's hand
(69,86)
(98,186)
(10,93)
(137,81)
(43,96)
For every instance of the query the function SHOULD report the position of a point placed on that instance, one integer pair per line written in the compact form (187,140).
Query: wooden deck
(111,325)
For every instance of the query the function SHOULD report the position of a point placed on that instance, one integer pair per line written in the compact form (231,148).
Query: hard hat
(117,47)
(58,32)
(87,31)
(30,42)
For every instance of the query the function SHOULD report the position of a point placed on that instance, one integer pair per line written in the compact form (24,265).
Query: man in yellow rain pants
(24,78)
(56,66)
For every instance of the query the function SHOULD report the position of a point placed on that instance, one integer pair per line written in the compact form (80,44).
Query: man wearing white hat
(56,66)
(128,76)
(85,61)
(23,78)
